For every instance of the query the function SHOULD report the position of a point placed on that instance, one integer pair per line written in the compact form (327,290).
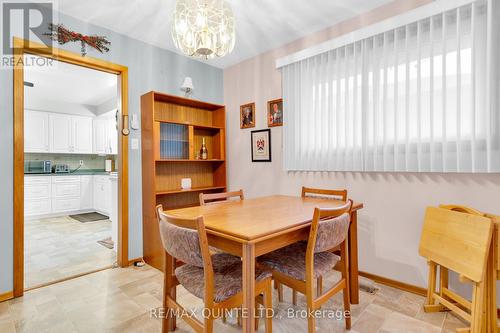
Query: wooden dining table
(252,227)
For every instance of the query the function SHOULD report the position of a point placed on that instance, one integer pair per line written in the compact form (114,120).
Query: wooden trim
(395,284)
(6,296)
(69,278)
(132,261)
(22,47)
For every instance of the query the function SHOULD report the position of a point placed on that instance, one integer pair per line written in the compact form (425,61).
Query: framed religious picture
(247,115)
(275,113)
(261,145)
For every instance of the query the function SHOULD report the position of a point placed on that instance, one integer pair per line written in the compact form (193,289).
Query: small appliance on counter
(109,166)
(60,168)
(38,167)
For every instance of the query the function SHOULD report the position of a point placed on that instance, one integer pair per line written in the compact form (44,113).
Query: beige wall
(390,223)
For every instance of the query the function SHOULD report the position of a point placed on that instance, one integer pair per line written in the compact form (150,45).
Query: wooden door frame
(22,47)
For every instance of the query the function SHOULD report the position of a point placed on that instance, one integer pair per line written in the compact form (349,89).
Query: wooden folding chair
(492,274)
(460,242)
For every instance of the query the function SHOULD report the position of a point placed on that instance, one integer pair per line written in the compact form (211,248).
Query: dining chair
(340,194)
(214,278)
(212,198)
(298,265)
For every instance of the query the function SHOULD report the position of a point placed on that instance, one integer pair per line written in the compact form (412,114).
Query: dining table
(252,227)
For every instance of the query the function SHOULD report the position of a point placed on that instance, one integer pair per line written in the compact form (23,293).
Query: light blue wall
(150,68)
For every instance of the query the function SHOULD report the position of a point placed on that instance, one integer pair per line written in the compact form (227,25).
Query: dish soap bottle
(203,151)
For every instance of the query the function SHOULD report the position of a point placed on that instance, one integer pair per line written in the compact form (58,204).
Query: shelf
(191,124)
(182,160)
(193,189)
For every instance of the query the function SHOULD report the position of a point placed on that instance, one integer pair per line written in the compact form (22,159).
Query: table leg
(169,289)
(248,307)
(353,259)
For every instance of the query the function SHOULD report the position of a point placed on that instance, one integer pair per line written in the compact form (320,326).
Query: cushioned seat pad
(227,278)
(291,261)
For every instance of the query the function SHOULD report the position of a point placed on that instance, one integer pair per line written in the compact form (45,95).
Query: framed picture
(247,115)
(275,113)
(261,145)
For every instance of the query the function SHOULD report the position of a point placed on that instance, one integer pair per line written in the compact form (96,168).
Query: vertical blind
(423,97)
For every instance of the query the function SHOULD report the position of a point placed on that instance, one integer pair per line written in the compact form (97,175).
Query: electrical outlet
(81,162)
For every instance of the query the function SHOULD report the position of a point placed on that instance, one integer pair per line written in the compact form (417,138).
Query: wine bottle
(203,150)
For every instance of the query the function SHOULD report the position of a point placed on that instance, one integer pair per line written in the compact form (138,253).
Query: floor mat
(89,217)
(107,242)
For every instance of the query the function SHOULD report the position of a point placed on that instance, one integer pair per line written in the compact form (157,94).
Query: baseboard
(395,284)
(132,261)
(6,296)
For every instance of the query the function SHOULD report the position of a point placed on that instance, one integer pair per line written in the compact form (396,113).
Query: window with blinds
(422,97)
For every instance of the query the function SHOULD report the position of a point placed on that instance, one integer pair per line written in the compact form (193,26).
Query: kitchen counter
(86,172)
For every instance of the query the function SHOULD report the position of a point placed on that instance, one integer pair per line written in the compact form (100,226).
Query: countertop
(87,172)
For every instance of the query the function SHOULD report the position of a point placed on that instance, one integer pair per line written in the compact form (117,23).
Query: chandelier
(203,28)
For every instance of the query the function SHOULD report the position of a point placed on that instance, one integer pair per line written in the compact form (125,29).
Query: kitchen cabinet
(82,134)
(37,194)
(105,136)
(70,134)
(60,133)
(36,132)
(65,194)
(86,192)
(102,194)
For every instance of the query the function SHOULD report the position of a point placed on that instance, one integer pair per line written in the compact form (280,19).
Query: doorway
(23,48)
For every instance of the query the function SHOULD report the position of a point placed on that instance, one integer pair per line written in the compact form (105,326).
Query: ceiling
(69,83)
(261,25)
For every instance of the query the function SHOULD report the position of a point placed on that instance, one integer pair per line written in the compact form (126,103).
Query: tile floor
(120,300)
(60,247)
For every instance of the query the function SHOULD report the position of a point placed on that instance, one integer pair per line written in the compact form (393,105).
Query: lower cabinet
(102,194)
(45,195)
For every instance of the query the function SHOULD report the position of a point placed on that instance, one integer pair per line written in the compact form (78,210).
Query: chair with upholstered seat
(212,198)
(340,194)
(300,264)
(214,278)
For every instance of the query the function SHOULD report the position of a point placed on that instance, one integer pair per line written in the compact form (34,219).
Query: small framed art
(275,113)
(261,145)
(247,115)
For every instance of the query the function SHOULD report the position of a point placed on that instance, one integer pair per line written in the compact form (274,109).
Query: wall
(90,162)
(390,223)
(150,68)
(41,104)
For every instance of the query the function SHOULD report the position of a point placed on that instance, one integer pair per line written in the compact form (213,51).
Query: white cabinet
(47,132)
(70,134)
(82,134)
(100,136)
(37,193)
(86,192)
(112,134)
(65,193)
(105,136)
(102,194)
(60,133)
(36,132)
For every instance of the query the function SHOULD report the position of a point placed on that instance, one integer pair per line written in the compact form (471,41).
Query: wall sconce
(187,87)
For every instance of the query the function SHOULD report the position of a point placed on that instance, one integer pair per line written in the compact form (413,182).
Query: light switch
(134,143)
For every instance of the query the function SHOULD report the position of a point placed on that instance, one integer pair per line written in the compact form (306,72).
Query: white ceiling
(68,83)
(261,25)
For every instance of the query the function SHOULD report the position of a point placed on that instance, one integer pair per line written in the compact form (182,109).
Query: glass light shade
(203,28)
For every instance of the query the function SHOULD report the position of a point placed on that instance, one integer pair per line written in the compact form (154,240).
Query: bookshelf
(172,131)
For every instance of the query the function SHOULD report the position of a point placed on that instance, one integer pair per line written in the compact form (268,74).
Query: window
(421,97)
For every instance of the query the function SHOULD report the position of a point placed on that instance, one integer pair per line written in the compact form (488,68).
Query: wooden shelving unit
(172,131)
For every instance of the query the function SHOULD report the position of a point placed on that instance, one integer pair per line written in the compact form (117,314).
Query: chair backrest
(212,198)
(329,227)
(456,240)
(184,239)
(339,193)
